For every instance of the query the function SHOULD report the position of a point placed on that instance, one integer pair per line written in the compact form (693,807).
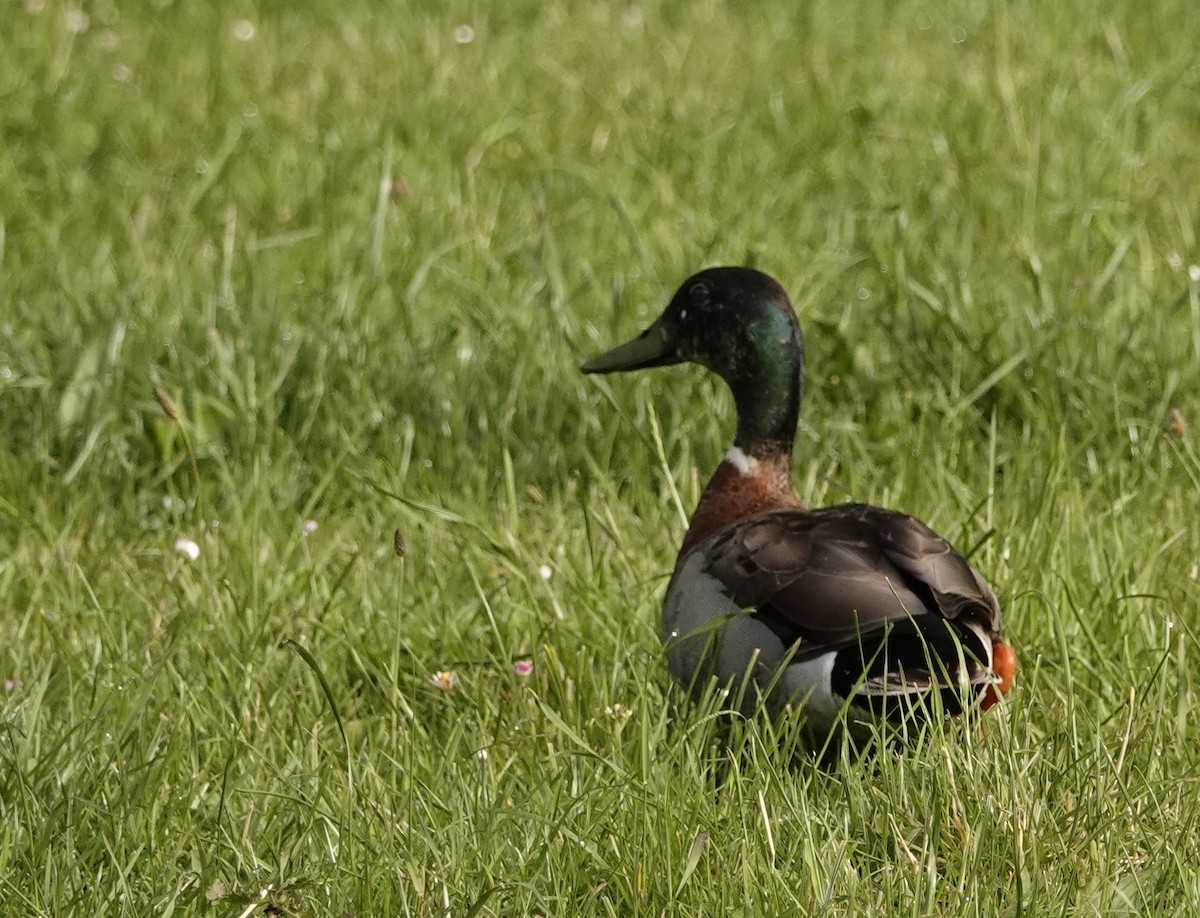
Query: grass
(363,255)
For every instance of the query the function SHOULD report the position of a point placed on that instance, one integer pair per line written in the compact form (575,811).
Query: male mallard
(851,608)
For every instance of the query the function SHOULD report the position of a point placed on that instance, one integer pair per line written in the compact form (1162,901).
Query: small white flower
(244,30)
(77,21)
(1194,272)
(482,755)
(464,34)
(619,712)
(308,527)
(444,679)
(544,572)
(188,548)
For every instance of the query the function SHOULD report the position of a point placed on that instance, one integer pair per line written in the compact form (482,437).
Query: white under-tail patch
(984,641)
(747,465)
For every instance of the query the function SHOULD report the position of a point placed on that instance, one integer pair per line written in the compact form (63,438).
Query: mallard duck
(858,614)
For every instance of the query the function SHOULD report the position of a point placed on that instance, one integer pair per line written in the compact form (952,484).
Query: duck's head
(726,319)
(739,323)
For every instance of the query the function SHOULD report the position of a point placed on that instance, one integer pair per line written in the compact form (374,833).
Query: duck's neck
(765,373)
(743,485)
(765,376)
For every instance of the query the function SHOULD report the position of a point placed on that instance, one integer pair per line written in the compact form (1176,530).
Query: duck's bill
(649,349)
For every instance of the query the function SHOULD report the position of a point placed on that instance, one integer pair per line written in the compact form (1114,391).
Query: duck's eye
(699,294)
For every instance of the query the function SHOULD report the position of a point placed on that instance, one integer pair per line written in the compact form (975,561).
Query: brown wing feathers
(854,575)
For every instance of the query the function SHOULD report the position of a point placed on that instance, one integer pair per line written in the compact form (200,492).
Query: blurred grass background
(363,248)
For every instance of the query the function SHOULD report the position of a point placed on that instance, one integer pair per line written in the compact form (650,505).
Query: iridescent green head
(739,323)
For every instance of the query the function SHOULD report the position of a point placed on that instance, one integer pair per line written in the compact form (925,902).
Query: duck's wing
(899,607)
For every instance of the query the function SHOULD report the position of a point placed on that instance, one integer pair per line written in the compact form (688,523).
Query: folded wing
(903,611)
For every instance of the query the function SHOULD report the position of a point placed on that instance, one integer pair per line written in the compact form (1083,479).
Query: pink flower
(523,668)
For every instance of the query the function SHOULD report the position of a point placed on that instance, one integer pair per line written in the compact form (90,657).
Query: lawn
(297,465)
